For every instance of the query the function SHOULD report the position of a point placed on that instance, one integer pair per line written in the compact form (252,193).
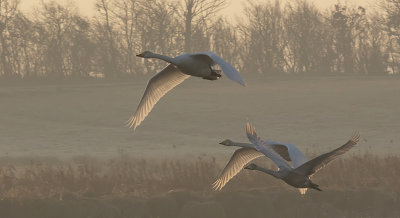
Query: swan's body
(297,176)
(179,69)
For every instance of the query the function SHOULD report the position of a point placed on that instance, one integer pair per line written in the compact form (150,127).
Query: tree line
(56,41)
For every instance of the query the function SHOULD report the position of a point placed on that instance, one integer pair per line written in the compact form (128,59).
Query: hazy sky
(234,6)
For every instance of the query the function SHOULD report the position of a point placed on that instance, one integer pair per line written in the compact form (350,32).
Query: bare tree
(159,30)
(392,13)
(262,33)
(298,38)
(81,47)
(196,11)
(127,13)
(64,41)
(8,10)
(107,38)
(19,38)
(346,23)
(307,38)
(391,10)
(56,21)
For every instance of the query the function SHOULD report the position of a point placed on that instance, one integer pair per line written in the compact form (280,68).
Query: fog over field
(88,118)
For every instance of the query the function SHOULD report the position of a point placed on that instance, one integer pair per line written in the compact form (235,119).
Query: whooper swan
(297,176)
(180,68)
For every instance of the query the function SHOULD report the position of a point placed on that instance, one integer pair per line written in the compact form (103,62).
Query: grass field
(358,186)
(67,152)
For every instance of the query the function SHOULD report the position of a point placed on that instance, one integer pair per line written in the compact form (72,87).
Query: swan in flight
(248,152)
(280,153)
(180,68)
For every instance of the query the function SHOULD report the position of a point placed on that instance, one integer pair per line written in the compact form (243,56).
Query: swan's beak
(140,55)
(225,142)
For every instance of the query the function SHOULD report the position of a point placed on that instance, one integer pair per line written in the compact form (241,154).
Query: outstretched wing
(228,69)
(262,147)
(312,166)
(157,87)
(239,159)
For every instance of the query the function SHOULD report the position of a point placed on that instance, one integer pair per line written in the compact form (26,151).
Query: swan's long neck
(243,145)
(162,57)
(267,171)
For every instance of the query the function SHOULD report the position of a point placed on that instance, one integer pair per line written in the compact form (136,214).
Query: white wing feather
(239,159)
(317,163)
(228,69)
(157,87)
(261,146)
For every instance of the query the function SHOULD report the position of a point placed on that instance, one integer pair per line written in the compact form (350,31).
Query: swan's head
(250,167)
(144,54)
(227,142)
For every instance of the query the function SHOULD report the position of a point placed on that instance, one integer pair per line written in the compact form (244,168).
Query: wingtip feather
(250,130)
(248,127)
(131,123)
(355,137)
(217,185)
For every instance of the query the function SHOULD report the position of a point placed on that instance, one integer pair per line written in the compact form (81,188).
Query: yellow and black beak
(140,55)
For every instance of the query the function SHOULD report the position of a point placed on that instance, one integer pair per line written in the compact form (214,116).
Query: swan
(242,156)
(179,68)
(280,153)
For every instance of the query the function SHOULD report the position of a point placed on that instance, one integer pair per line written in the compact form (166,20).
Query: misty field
(358,186)
(66,153)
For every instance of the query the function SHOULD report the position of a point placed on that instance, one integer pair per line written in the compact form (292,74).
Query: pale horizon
(231,10)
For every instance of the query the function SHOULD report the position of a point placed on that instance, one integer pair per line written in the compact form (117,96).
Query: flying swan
(280,153)
(180,68)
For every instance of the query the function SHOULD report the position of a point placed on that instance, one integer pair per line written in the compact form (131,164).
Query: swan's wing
(262,147)
(312,166)
(279,148)
(228,69)
(157,87)
(290,153)
(239,159)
